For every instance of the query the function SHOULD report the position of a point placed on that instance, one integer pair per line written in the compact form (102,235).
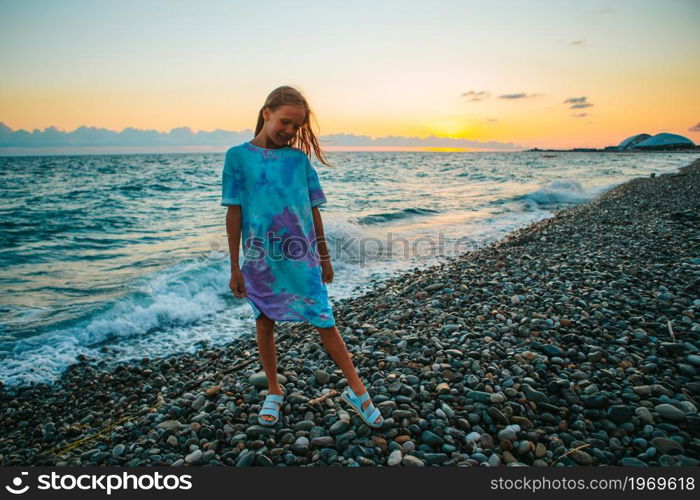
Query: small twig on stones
(327,395)
(687,394)
(571,451)
(670,330)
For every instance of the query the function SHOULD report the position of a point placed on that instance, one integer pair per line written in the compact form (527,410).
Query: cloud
(430,141)
(183,139)
(577,43)
(91,136)
(695,128)
(473,95)
(578,102)
(520,95)
(580,115)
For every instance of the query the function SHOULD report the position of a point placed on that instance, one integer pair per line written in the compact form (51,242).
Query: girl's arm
(325,258)
(233,232)
(320,237)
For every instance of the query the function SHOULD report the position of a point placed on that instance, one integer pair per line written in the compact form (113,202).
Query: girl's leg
(335,345)
(265,336)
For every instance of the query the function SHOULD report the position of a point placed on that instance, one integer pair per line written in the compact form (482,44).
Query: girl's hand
(326,271)
(236,284)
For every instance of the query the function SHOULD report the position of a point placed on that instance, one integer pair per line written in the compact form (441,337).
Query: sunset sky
(547,74)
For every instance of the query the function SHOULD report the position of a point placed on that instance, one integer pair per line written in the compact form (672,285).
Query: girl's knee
(326,331)
(262,317)
(264,321)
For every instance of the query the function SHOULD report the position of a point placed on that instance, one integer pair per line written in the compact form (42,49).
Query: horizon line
(183,137)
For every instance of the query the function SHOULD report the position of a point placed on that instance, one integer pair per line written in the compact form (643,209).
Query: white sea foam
(558,192)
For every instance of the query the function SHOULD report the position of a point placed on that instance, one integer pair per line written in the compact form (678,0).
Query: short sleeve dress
(276,189)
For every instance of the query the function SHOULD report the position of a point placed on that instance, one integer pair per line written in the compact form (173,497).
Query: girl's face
(282,124)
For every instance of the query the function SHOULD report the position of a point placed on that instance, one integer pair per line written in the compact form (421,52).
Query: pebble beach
(570,342)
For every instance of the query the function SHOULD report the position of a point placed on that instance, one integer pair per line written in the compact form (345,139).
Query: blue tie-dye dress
(276,189)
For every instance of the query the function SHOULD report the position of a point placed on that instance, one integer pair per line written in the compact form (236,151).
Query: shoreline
(553,338)
(45,152)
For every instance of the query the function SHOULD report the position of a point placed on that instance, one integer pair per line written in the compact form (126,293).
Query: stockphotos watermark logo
(102,482)
(355,250)
(18,487)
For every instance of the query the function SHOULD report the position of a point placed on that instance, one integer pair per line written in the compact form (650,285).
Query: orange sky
(367,68)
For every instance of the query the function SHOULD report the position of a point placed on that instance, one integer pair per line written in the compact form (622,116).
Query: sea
(119,257)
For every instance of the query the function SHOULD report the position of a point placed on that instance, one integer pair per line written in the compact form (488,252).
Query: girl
(273,193)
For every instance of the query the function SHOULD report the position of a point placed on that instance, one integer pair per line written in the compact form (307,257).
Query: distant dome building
(659,141)
(631,142)
(666,141)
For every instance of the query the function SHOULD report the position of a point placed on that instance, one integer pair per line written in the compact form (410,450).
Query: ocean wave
(180,295)
(559,192)
(350,243)
(391,216)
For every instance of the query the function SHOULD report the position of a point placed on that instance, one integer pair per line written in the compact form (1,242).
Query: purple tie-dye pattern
(314,259)
(316,194)
(294,244)
(265,153)
(281,268)
(259,281)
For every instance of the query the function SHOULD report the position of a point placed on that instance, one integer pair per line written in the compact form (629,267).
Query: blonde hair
(305,139)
